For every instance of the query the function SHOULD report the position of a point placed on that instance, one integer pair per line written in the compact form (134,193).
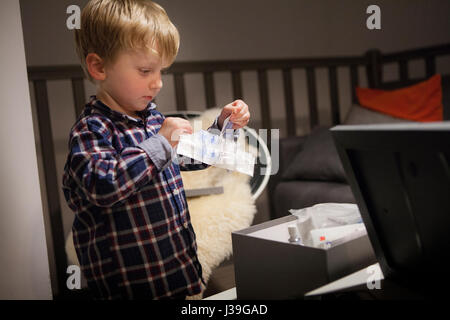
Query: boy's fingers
(227,110)
(237,112)
(241,114)
(243,111)
(187,128)
(241,122)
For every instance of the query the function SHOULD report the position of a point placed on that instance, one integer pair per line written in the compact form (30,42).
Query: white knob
(293,233)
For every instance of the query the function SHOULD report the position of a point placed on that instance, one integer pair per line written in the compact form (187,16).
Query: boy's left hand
(238,112)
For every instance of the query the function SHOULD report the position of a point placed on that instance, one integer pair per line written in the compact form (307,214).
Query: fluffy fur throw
(213,217)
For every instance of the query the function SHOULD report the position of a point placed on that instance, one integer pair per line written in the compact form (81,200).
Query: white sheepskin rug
(213,217)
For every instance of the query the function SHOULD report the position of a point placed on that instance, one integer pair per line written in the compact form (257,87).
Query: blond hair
(110,26)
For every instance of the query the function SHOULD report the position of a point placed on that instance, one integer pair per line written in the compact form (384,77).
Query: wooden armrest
(203,191)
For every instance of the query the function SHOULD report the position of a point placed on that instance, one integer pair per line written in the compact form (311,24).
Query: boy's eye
(145,71)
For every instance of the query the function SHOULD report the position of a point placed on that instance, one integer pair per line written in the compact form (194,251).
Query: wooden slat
(237,85)
(430,65)
(180,91)
(289,102)
(334,96)
(397,84)
(251,65)
(70,71)
(78,95)
(443,49)
(51,183)
(354,82)
(208,80)
(403,67)
(55,72)
(312,98)
(264,102)
(374,68)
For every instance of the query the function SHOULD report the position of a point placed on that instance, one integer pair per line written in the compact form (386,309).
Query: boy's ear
(95,66)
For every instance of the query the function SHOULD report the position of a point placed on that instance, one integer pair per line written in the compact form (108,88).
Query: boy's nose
(156,83)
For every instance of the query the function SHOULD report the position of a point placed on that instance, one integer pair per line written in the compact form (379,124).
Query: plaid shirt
(132,230)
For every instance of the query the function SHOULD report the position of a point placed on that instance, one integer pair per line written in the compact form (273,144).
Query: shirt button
(175,191)
(185,224)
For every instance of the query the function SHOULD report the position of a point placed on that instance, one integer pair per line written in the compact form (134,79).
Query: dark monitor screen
(400,177)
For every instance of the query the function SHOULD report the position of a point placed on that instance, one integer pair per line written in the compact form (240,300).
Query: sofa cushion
(419,102)
(317,160)
(302,194)
(360,115)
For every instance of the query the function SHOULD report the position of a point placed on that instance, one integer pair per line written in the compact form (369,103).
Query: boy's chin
(141,106)
(145,103)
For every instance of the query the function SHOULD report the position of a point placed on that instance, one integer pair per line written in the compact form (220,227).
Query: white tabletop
(370,274)
(229,294)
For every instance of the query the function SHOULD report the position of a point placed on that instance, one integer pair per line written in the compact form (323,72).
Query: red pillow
(420,102)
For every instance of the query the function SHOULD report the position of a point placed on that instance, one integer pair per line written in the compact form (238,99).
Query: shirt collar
(99,105)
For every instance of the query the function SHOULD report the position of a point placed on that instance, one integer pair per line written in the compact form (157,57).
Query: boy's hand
(173,127)
(238,110)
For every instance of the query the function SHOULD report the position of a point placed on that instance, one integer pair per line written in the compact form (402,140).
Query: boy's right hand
(173,127)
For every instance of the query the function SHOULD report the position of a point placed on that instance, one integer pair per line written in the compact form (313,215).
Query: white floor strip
(229,294)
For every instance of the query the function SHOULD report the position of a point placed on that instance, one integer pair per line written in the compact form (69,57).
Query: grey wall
(23,259)
(247,29)
(235,29)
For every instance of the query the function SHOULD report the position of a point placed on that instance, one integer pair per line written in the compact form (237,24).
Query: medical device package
(216,150)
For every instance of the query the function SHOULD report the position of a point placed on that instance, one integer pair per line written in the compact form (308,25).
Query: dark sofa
(310,170)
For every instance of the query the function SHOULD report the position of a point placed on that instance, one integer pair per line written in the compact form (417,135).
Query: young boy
(132,230)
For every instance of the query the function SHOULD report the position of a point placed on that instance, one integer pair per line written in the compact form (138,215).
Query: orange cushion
(420,102)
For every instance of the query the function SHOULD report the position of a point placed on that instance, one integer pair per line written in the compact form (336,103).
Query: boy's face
(131,81)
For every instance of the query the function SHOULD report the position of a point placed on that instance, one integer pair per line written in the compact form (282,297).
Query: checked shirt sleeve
(104,175)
